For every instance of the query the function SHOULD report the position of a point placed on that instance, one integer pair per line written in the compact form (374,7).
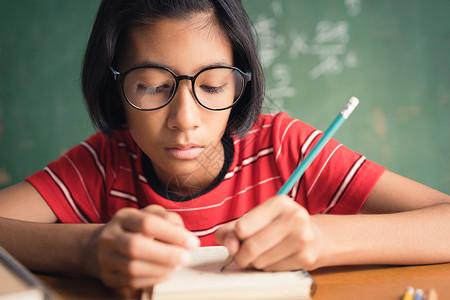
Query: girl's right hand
(139,248)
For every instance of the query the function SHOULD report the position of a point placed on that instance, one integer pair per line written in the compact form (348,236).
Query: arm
(137,248)
(26,220)
(403,222)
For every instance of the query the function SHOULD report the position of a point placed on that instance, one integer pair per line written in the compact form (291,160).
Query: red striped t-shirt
(95,179)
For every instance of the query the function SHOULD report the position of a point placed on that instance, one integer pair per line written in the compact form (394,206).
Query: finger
(153,225)
(232,243)
(174,218)
(138,246)
(262,241)
(163,213)
(139,268)
(223,231)
(296,251)
(260,216)
(291,263)
(274,259)
(280,217)
(156,209)
(226,236)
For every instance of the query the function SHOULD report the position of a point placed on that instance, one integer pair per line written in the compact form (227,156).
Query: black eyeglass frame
(247,77)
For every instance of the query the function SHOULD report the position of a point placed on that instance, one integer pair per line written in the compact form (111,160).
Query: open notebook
(202,279)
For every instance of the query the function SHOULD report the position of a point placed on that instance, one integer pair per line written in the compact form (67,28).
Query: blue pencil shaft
(304,164)
(301,168)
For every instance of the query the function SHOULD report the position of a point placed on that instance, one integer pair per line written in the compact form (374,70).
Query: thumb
(226,236)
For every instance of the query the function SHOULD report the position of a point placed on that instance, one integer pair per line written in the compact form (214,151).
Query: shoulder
(98,154)
(277,138)
(278,129)
(120,138)
(280,122)
(104,147)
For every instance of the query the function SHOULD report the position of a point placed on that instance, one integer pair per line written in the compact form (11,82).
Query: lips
(184,151)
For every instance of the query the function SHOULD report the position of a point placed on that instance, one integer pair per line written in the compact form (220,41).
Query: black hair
(115,17)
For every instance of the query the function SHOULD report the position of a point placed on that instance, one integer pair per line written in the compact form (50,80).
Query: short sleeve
(74,185)
(338,181)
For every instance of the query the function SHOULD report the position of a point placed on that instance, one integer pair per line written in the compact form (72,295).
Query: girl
(176,88)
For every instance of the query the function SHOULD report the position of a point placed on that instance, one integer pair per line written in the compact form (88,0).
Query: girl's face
(182,139)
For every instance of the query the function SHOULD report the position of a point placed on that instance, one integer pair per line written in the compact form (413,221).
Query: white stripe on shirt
(88,195)
(66,193)
(96,159)
(321,169)
(254,131)
(305,146)
(123,195)
(207,231)
(282,138)
(311,137)
(345,183)
(248,161)
(226,199)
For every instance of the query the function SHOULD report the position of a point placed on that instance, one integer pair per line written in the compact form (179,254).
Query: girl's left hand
(277,235)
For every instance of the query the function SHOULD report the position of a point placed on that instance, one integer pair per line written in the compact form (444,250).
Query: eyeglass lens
(151,88)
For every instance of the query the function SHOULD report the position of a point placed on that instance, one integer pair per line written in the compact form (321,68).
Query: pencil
(229,260)
(298,172)
(343,115)
(418,294)
(409,293)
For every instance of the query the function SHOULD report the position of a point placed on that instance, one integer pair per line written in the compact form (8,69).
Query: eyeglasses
(151,88)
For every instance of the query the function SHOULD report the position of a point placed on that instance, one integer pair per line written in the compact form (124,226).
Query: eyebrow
(149,63)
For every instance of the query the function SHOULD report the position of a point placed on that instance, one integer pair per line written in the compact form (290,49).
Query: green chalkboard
(42,113)
(392,54)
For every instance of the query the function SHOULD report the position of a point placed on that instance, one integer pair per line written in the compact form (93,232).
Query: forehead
(184,45)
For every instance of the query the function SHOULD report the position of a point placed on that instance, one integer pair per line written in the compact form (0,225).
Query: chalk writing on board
(353,7)
(328,46)
(272,43)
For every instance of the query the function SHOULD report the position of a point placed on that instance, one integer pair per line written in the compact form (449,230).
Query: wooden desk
(348,282)
(380,282)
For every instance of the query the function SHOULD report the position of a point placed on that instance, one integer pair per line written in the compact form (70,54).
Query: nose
(184,111)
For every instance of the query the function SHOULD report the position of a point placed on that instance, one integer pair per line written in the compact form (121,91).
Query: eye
(151,90)
(213,89)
